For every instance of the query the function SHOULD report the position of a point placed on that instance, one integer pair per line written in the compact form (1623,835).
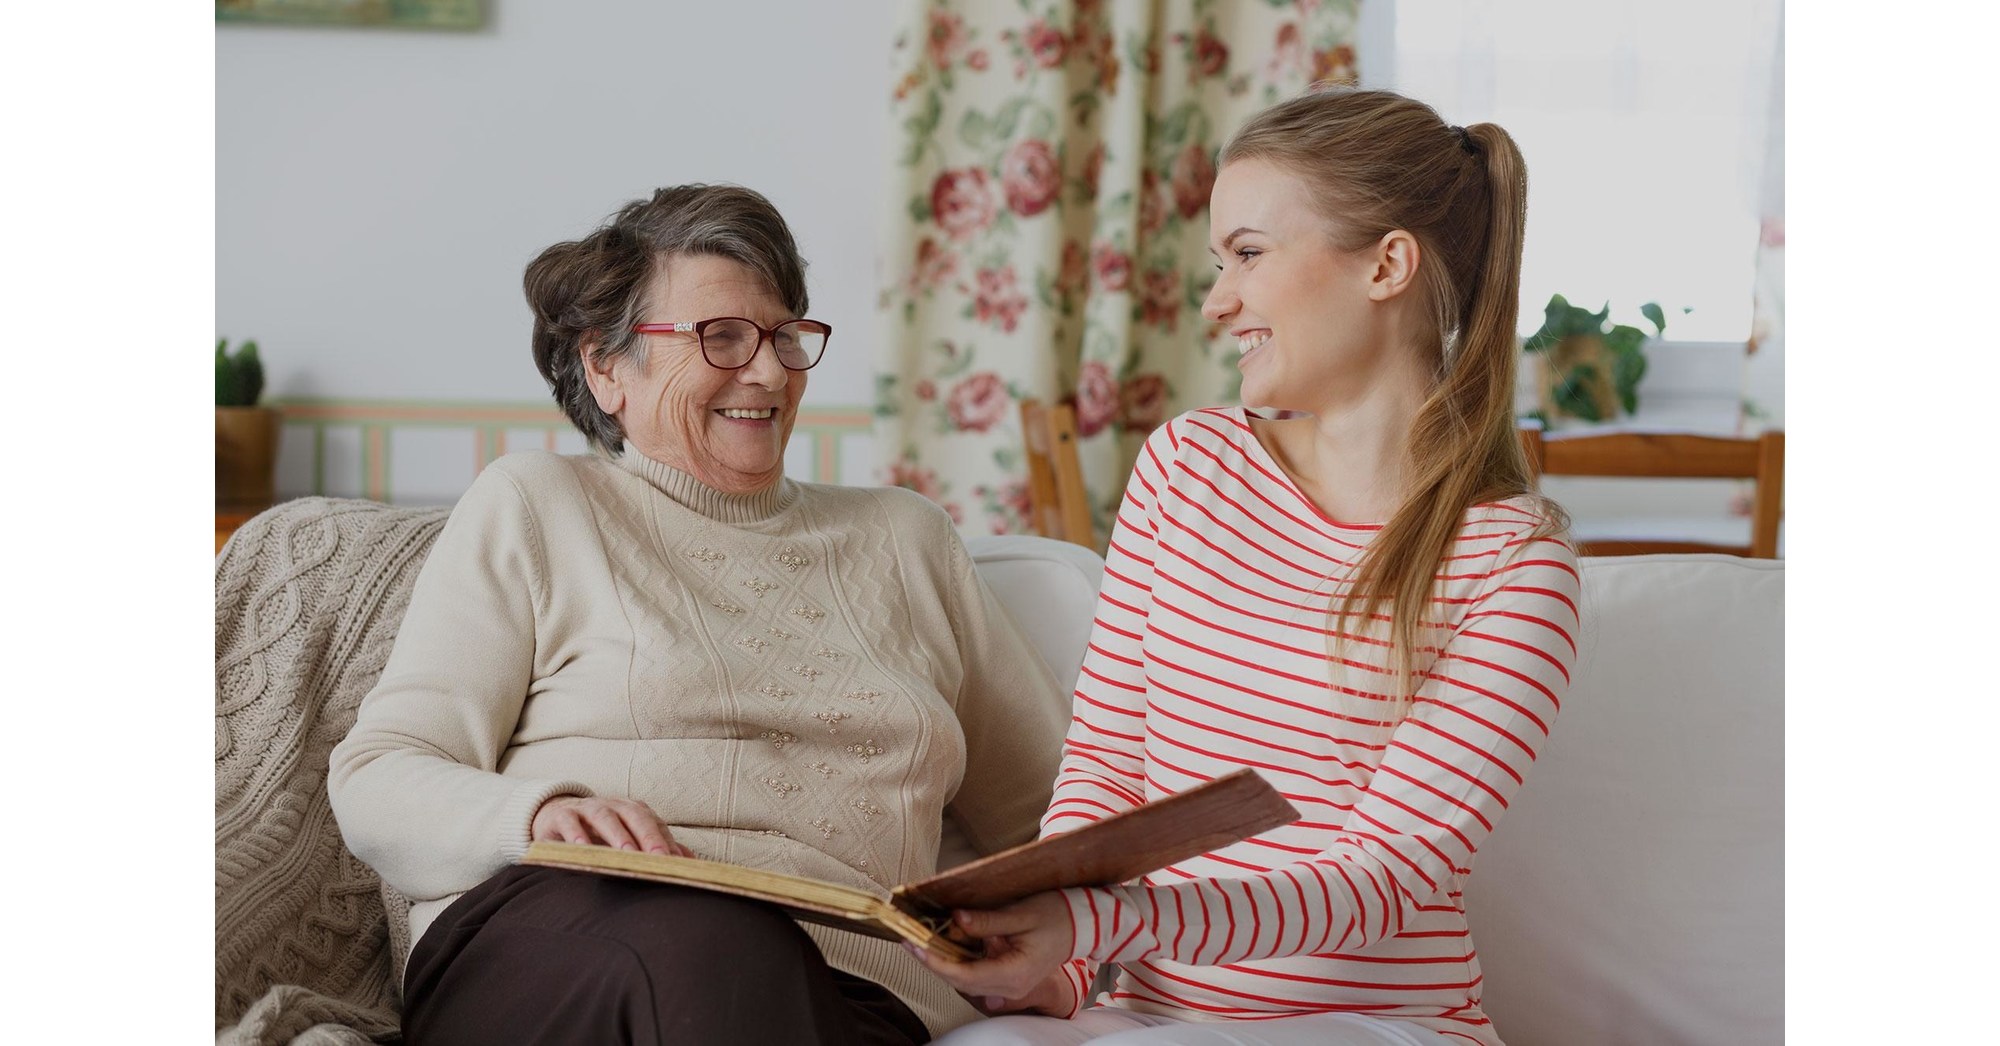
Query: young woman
(1355,592)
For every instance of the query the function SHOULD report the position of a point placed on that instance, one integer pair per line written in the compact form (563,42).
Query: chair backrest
(1058,505)
(1660,455)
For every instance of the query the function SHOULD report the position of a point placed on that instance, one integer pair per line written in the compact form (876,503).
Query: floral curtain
(1051,166)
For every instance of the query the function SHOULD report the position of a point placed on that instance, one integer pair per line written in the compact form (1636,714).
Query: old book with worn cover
(1117,849)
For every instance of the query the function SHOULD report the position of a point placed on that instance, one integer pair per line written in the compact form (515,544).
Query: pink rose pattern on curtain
(1052,165)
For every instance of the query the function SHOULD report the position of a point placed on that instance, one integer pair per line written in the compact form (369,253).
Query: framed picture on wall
(423,14)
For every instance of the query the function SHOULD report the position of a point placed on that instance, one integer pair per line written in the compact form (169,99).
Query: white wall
(378,192)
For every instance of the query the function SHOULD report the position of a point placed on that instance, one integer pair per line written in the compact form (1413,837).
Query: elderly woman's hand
(1026,943)
(624,823)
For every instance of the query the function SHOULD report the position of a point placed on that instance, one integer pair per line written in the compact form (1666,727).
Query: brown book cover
(1117,849)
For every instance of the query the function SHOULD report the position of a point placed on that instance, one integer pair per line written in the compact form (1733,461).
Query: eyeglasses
(730,342)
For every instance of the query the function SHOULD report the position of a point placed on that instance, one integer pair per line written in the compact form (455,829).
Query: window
(1644,127)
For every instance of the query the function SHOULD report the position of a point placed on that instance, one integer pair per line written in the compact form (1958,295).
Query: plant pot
(246,455)
(1576,379)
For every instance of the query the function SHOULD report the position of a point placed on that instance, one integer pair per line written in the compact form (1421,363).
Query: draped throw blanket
(1050,170)
(309,944)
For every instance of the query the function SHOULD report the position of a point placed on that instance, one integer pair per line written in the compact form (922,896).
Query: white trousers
(1113,1026)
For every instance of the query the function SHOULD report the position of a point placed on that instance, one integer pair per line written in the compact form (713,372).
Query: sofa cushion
(1050,589)
(1634,892)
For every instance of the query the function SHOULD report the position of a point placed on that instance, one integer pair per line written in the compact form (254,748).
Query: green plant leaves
(1623,340)
(1581,322)
(1624,347)
(1539,340)
(1626,370)
(225,377)
(1652,311)
(1553,318)
(250,373)
(1561,320)
(1628,363)
(239,378)
(1572,393)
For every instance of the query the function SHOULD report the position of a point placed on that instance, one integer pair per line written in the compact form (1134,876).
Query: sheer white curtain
(1645,126)
(1764,376)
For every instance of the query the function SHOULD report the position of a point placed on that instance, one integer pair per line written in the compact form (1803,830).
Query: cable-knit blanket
(309,944)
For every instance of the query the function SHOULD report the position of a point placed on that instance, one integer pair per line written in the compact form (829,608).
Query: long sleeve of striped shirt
(1102,771)
(1210,652)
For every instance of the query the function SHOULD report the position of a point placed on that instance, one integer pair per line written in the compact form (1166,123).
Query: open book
(1117,849)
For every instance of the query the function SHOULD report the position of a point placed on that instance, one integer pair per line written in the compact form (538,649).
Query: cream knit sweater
(802,679)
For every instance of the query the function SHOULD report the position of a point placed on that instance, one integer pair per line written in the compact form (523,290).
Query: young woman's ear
(605,380)
(1395,265)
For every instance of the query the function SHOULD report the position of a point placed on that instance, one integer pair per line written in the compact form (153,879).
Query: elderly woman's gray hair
(597,285)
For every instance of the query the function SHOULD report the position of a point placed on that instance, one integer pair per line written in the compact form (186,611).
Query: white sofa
(1634,892)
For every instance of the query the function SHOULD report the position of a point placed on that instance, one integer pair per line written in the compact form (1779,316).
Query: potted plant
(1590,368)
(246,435)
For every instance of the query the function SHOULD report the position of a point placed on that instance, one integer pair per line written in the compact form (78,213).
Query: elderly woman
(669,646)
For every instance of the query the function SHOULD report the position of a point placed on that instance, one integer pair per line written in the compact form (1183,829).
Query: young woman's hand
(624,823)
(1026,943)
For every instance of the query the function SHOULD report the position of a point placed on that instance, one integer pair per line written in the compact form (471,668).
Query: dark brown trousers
(546,956)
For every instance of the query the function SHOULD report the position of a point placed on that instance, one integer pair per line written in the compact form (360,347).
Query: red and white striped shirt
(1211,652)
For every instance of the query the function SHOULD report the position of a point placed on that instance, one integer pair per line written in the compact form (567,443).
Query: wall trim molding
(371,424)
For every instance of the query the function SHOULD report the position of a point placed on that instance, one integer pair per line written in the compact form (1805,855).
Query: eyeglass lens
(730,343)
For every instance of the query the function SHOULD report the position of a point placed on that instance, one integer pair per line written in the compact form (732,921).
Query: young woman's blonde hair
(1375,161)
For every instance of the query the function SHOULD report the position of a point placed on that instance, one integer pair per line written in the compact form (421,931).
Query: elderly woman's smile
(679,405)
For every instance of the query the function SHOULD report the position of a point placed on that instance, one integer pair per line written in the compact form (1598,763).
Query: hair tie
(1465,140)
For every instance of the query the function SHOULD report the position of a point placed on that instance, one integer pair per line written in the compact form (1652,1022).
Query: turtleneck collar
(699,497)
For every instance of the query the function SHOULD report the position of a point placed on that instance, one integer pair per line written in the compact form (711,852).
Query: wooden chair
(1058,505)
(1760,458)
